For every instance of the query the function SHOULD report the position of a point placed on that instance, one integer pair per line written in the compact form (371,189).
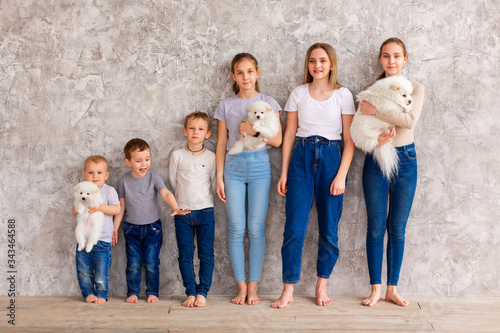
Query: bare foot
(200,301)
(392,295)
(374,297)
(242,293)
(91,299)
(132,299)
(322,298)
(189,302)
(286,297)
(152,299)
(252,297)
(100,300)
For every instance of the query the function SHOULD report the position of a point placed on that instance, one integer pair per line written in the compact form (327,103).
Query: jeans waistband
(315,139)
(249,154)
(403,149)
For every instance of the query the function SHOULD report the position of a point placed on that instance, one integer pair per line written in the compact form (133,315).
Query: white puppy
(264,120)
(390,96)
(88,226)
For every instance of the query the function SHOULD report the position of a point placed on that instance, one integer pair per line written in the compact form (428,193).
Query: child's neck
(195,149)
(247,94)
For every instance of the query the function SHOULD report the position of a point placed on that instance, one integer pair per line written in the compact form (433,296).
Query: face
(393,59)
(140,161)
(96,173)
(196,131)
(319,64)
(245,74)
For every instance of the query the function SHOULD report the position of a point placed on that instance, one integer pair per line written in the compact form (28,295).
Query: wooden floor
(425,314)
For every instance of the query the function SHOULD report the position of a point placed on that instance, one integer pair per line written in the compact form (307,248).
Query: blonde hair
(332,55)
(133,145)
(237,58)
(198,115)
(95,159)
(389,41)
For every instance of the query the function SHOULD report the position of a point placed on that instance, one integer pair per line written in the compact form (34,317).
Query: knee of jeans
(236,233)
(397,232)
(256,232)
(151,267)
(376,233)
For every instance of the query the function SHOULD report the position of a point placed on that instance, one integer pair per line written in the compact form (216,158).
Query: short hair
(198,115)
(133,145)
(332,55)
(95,159)
(239,57)
(389,41)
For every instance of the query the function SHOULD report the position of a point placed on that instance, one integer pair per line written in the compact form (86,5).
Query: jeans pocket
(156,226)
(104,245)
(411,153)
(264,159)
(127,227)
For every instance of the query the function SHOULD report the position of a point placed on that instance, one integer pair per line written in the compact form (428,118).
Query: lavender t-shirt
(141,197)
(233,110)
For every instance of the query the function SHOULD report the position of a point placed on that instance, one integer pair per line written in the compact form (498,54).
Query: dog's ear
(269,108)
(75,188)
(395,87)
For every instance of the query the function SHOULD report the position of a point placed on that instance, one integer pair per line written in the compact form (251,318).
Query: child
(92,267)
(192,177)
(319,114)
(246,172)
(142,225)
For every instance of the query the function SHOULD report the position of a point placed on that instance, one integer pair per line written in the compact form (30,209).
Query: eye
(404,95)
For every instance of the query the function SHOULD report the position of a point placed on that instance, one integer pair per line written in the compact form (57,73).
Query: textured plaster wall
(83,77)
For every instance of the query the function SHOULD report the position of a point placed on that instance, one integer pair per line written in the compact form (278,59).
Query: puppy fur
(390,96)
(261,115)
(88,226)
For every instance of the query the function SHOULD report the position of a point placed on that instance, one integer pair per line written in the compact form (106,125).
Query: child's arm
(106,209)
(292,124)
(117,220)
(74,211)
(338,184)
(220,156)
(172,203)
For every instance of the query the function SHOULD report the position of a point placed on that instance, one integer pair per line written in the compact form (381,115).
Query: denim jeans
(143,244)
(92,269)
(247,173)
(313,166)
(388,205)
(202,224)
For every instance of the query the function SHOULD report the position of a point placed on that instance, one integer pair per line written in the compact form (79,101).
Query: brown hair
(95,159)
(389,41)
(198,115)
(239,57)
(332,55)
(133,145)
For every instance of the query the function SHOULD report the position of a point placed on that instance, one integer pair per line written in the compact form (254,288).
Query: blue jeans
(313,166)
(92,269)
(202,224)
(388,205)
(247,173)
(143,244)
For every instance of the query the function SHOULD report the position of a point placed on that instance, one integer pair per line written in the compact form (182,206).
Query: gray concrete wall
(83,77)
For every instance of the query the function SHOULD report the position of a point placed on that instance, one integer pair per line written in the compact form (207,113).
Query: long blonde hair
(332,55)
(237,58)
(389,41)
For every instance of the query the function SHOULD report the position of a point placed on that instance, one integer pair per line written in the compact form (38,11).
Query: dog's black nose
(258,117)
(83,198)
(409,102)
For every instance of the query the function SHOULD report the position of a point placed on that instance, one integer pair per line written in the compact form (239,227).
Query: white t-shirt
(323,118)
(192,178)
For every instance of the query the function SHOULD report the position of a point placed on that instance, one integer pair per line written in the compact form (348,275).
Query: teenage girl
(319,115)
(397,192)
(244,176)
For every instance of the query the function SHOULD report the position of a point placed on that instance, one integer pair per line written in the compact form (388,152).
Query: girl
(319,111)
(247,172)
(399,191)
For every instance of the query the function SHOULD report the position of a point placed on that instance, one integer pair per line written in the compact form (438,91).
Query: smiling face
(392,59)
(245,74)
(96,173)
(319,64)
(196,131)
(140,161)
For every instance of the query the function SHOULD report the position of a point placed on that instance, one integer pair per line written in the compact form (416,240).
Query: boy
(192,176)
(142,225)
(92,268)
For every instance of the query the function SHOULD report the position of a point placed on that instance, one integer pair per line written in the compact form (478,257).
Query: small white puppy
(88,226)
(390,96)
(264,120)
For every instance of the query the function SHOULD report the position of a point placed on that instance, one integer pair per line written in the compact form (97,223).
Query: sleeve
(172,171)
(407,119)
(276,106)
(121,188)
(213,179)
(292,104)
(220,112)
(113,196)
(158,182)
(347,103)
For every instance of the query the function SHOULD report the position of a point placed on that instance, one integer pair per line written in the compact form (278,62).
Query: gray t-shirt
(109,197)
(233,110)
(140,195)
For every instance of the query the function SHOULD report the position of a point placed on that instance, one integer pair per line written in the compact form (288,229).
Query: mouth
(143,170)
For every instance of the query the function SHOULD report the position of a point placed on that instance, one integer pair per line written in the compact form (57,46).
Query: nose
(83,198)
(409,102)
(258,117)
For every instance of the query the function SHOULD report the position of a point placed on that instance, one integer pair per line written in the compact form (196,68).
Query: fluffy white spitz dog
(263,118)
(390,96)
(88,226)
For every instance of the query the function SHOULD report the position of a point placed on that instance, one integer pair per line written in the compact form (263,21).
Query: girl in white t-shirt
(315,164)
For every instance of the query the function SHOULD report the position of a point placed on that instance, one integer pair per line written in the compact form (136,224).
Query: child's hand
(181,212)
(386,137)
(220,191)
(114,238)
(246,127)
(92,210)
(367,108)
(282,188)
(338,186)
